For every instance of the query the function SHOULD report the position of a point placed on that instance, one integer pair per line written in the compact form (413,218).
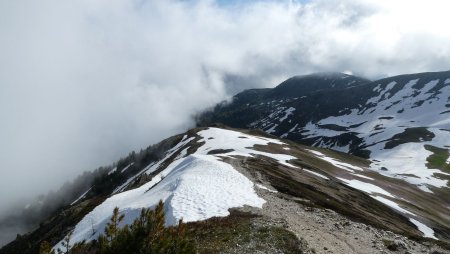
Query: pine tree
(146,235)
(112,226)
(66,244)
(45,248)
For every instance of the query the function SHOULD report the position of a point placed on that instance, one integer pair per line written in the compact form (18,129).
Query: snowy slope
(205,182)
(400,123)
(379,121)
(194,187)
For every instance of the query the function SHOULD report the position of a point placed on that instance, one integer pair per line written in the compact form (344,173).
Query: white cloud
(83,82)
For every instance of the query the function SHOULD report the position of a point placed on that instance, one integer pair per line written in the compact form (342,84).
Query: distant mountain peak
(326,74)
(383,120)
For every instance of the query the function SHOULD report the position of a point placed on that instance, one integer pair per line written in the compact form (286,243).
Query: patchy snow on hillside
(80,197)
(127,167)
(184,141)
(366,187)
(287,113)
(392,204)
(241,144)
(265,188)
(289,131)
(337,163)
(112,171)
(123,186)
(194,187)
(427,231)
(316,174)
(386,115)
(408,162)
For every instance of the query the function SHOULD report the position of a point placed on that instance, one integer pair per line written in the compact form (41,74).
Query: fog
(85,82)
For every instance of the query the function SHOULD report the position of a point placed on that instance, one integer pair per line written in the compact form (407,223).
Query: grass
(242,232)
(438,160)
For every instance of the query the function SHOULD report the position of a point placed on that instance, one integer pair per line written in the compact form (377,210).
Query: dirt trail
(329,232)
(326,231)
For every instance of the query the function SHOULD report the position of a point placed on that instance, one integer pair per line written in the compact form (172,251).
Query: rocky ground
(326,231)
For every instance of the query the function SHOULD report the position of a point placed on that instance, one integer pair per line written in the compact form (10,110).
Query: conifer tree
(112,226)
(45,248)
(146,235)
(66,244)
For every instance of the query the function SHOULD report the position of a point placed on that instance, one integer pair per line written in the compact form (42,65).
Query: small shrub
(146,235)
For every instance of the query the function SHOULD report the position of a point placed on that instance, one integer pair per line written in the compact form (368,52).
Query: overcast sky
(84,82)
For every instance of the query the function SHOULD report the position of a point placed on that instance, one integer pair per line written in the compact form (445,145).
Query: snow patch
(392,204)
(365,177)
(81,196)
(316,174)
(366,187)
(227,139)
(337,163)
(287,113)
(427,231)
(265,188)
(127,167)
(112,171)
(194,188)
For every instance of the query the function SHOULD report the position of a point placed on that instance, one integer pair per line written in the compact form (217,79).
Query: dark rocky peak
(307,84)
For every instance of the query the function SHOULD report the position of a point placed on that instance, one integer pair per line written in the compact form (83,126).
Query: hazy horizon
(83,83)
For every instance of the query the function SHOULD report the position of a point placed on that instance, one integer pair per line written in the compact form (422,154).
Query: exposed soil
(326,231)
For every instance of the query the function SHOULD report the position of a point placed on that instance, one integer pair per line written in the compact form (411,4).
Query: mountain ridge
(366,120)
(281,176)
(261,174)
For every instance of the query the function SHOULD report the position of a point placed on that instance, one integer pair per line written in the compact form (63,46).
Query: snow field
(194,187)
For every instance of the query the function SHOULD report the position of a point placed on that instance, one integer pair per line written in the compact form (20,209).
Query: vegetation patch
(242,232)
(220,151)
(438,160)
(333,127)
(418,134)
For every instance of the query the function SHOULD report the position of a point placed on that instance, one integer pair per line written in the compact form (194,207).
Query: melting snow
(81,196)
(316,174)
(366,187)
(287,113)
(127,182)
(291,130)
(195,187)
(185,140)
(112,171)
(125,168)
(406,161)
(272,129)
(392,204)
(265,188)
(362,176)
(227,139)
(337,163)
(427,231)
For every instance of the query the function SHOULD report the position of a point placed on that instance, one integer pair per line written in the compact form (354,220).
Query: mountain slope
(396,122)
(208,172)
